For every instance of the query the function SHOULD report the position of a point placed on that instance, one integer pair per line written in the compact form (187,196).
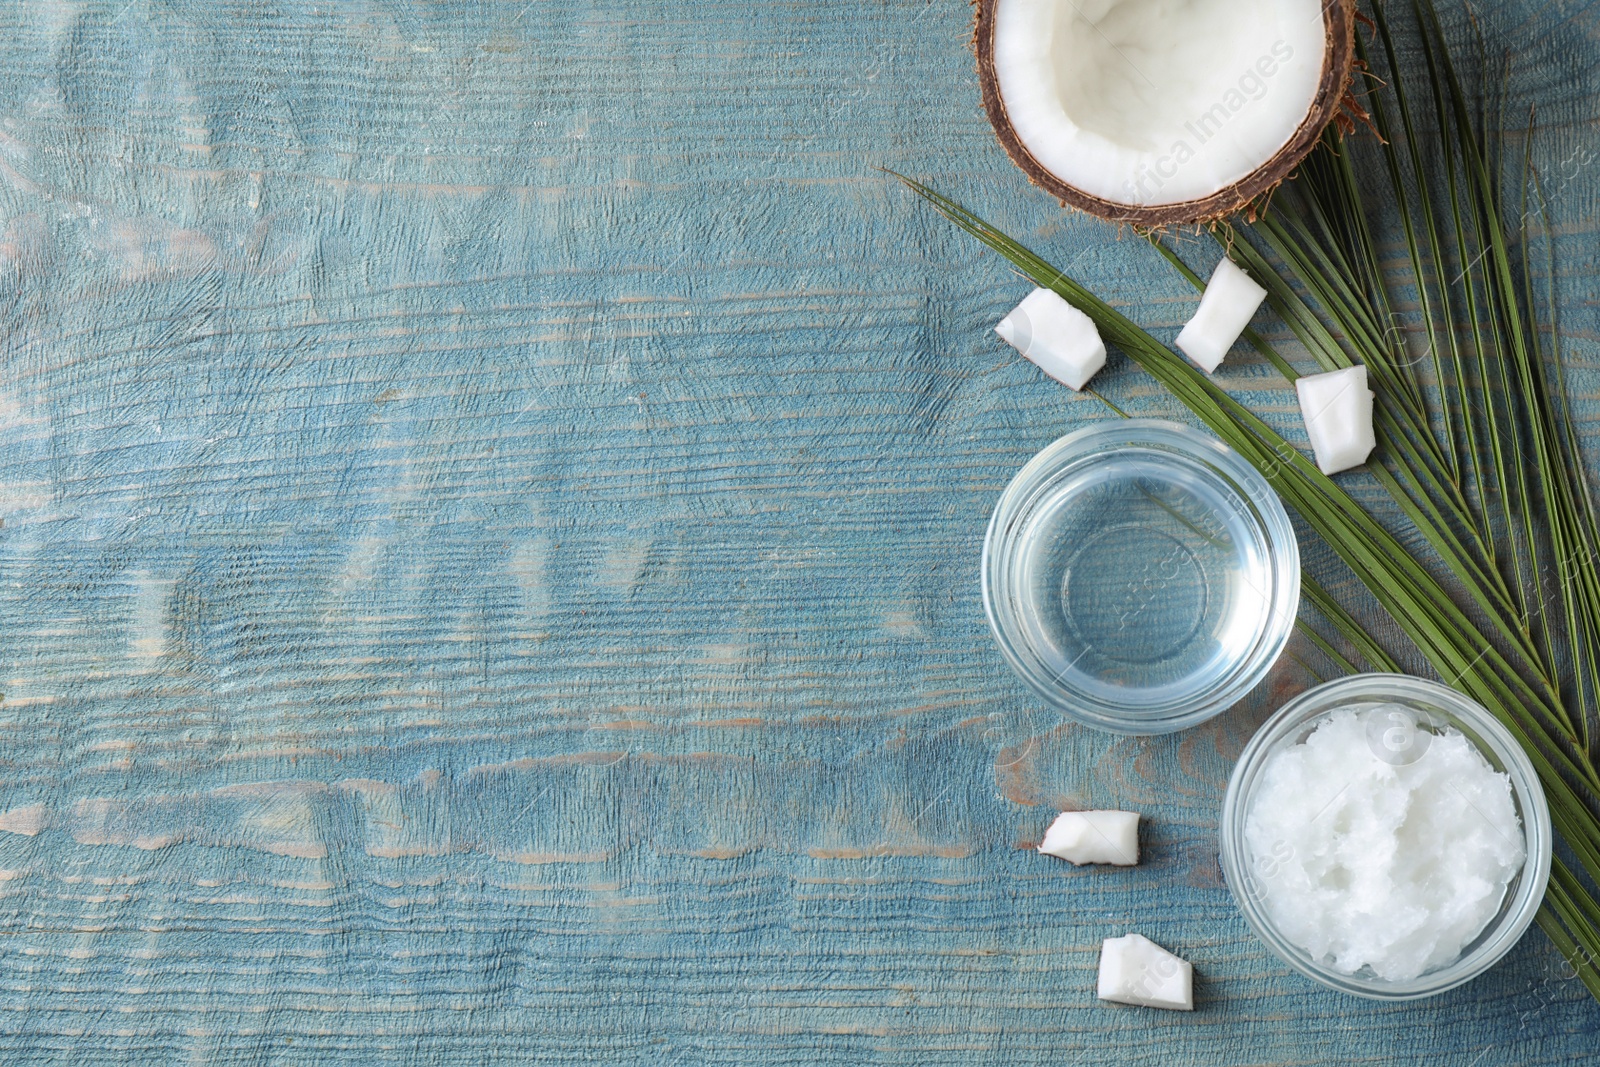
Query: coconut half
(1157,112)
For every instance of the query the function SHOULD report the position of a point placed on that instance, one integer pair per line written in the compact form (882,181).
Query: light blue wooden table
(492,496)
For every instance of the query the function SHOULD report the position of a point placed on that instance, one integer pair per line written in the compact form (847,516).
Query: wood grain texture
(491,503)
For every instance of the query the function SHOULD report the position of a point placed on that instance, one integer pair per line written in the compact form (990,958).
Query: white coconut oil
(1380,843)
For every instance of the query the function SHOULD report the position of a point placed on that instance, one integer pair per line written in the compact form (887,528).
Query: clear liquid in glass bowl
(1141,576)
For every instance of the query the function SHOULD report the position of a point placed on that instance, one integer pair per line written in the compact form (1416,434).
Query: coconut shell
(1339,23)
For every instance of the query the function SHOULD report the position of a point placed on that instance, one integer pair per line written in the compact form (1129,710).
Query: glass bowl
(1140,576)
(1432,707)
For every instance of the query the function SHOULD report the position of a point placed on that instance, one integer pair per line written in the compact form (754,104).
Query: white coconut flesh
(1337,407)
(1226,308)
(1155,102)
(1136,970)
(1061,340)
(1094,837)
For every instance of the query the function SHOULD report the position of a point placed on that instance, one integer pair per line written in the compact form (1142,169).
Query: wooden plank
(491,500)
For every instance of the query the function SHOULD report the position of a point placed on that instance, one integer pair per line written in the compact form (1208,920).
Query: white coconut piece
(1094,837)
(1226,307)
(1057,337)
(1136,970)
(1151,102)
(1337,407)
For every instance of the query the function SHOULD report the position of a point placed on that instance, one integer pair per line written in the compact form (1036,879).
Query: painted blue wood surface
(491,499)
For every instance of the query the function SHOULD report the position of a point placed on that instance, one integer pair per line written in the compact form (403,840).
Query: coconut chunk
(1230,300)
(1094,837)
(1136,970)
(1337,407)
(1056,336)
